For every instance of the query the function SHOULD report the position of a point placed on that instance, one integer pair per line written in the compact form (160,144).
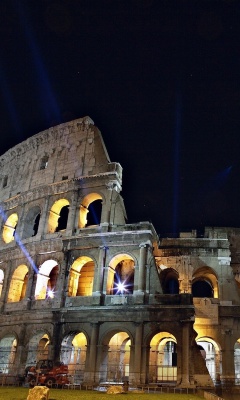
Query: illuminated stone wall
(81,286)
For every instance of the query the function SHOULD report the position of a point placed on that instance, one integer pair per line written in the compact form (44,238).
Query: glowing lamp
(50,294)
(121,287)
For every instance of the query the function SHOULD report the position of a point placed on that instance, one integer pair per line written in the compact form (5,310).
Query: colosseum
(109,299)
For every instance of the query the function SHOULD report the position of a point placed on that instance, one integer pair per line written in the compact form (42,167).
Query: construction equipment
(47,373)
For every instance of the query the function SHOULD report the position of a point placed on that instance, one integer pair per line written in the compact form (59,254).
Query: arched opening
(94,213)
(205,283)
(212,355)
(1,281)
(8,346)
(31,222)
(202,288)
(90,211)
(47,280)
(121,275)
(169,281)
(9,228)
(18,284)
(81,277)
(58,216)
(44,162)
(38,348)
(116,359)
(63,217)
(73,354)
(163,358)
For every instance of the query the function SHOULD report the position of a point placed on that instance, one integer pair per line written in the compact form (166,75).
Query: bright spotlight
(121,287)
(50,294)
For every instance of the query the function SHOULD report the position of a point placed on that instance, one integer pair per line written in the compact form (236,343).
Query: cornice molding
(54,134)
(35,248)
(52,189)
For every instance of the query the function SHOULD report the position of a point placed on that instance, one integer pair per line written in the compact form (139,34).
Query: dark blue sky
(161,79)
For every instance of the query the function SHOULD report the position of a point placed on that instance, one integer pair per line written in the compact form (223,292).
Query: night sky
(161,80)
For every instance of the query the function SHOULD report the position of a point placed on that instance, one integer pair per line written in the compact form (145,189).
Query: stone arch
(90,210)
(73,353)
(120,278)
(38,348)
(58,216)
(31,222)
(116,356)
(211,353)
(205,283)
(162,363)
(18,284)
(47,280)
(9,228)
(1,280)
(169,280)
(81,277)
(8,347)
(237,361)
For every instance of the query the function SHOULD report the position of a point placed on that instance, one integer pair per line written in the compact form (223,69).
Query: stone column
(71,225)
(100,271)
(29,287)
(228,367)
(20,227)
(185,382)
(21,353)
(55,346)
(142,268)
(43,222)
(145,364)
(51,351)
(137,353)
(101,369)
(33,288)
(93,352)
(6,285)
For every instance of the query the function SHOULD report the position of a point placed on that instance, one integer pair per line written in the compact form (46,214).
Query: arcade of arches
(111,300)
(117,358)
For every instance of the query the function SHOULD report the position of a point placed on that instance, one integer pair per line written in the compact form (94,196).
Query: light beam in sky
(176,163)
(20,244)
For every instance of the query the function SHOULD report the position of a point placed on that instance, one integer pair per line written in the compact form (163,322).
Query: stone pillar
(55,347)
(101,368)
(93,352)
(71,225)
(21,353)
(100,271)
(6,285)
(33,288)
(142,268)
(228,367)
(20,227)
(137,353)
(51,351)
(185,382)
(43,223)
(145,364)
(29,287)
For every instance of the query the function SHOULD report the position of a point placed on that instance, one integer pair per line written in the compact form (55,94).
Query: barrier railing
(211,396)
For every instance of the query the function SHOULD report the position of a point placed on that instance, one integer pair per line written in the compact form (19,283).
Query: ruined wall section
(212,255)
(67,151)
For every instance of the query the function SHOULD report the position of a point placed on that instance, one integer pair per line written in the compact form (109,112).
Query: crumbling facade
(109,299)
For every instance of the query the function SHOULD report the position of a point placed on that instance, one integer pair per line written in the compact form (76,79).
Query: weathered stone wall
(68,166)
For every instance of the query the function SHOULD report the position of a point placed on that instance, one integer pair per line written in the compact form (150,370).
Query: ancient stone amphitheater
(109,299)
